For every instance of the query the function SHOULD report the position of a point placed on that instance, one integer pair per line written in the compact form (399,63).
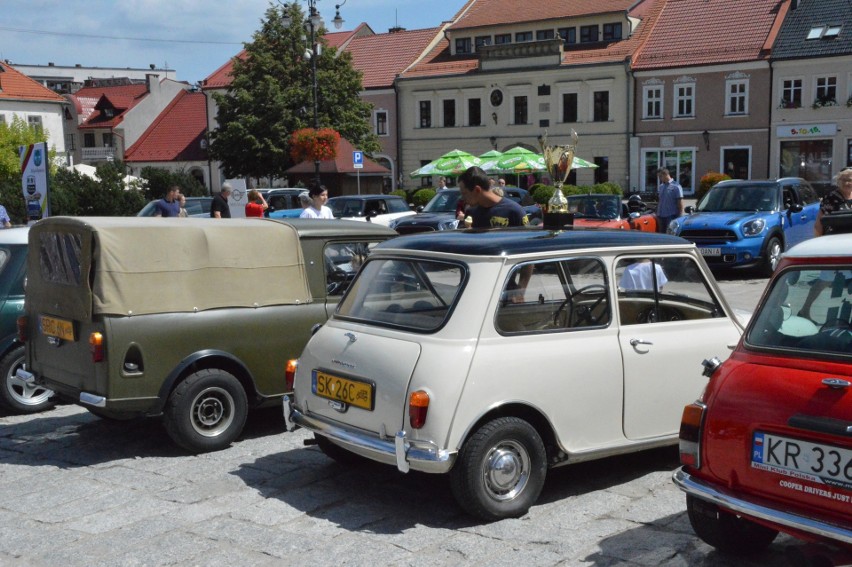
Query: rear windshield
(807,310)
(59,258)
(416,295)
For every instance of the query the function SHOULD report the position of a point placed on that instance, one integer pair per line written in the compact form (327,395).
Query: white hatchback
(494,355)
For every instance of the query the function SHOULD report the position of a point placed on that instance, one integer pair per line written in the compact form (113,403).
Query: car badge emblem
(338,406)
(54,341)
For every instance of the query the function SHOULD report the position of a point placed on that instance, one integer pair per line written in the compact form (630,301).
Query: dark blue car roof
(499,242)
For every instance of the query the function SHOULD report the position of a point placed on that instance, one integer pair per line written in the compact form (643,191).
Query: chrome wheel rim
(212,412)
(506,470)
(24,393)
(774,255)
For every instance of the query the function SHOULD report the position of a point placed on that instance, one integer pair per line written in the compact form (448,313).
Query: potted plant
(823,101)
(309,144)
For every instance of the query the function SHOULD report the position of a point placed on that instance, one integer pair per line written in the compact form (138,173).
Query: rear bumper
(400,451)
(130,406)
(752,507)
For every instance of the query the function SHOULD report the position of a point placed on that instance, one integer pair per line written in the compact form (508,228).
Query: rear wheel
(727,532)
(207,411)
(500,470)
(17,395)
(774,248)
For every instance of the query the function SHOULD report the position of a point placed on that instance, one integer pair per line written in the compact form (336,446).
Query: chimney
(50,64)
(152,80)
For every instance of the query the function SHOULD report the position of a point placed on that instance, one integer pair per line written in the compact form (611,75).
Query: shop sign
(806,130)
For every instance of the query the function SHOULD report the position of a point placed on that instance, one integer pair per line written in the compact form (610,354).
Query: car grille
(413,229)
(709,236)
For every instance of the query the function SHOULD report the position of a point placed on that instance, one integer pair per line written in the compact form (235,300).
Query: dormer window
(463,45)
(568,35)
(482,41)
(612,32)
(109,112)
(588,34)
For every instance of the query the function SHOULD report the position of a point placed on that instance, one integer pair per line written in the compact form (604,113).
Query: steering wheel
(660,313)
(584,312)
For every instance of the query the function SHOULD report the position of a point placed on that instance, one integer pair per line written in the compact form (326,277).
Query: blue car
(750,223)
(284,203)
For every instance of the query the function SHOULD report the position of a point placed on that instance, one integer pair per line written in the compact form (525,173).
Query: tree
(271,96)
(158,181)
(12,136)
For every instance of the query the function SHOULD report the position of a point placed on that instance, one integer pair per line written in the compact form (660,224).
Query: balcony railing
(98,154)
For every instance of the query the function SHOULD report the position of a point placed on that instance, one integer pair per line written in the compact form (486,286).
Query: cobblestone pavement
(78,490)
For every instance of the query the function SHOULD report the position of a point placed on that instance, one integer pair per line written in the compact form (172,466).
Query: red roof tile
(87,99)
(730,31)
(500,12)
(176,134)
(381,57)
(341,164)
(14,85)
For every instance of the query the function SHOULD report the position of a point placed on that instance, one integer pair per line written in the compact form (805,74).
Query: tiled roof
(221,77)
(120,102)
(14,85)
(176,134)
(381,57)
(86,99)
(792,42)
(500,12)
(341,164)
(727,31)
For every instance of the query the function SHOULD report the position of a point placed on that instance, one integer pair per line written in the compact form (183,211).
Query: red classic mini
(768,446)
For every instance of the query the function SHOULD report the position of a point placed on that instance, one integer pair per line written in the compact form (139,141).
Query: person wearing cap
(220,209)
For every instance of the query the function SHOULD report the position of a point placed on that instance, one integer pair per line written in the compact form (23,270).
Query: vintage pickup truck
(194,319)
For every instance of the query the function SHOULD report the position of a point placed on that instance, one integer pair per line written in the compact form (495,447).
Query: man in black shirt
(489,210)
(219,208)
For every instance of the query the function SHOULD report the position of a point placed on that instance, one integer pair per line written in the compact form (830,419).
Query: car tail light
(418,405)
(96,345)
(22,328)
(290,373)
(690,434)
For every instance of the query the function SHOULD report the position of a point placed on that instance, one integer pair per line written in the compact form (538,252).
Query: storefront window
(808,159)
(678,162)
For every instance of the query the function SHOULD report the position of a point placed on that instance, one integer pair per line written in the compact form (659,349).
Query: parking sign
(358,160)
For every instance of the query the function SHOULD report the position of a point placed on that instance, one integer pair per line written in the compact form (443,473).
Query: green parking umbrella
(451,164)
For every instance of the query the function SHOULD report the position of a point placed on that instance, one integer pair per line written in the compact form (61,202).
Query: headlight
(449,225)
(392,224)
(753,227)
(674,227)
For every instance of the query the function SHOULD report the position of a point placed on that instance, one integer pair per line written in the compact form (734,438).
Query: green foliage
(158,181)
(75,194)
(607,188)
(12,197)
(13,135)
(423,196)
(708,180)
(271,96)
(541,194)
(401,193)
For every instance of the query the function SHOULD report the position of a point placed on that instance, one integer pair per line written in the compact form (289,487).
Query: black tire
(16,395)
(771,255)
(206,411)
(500,470)
(725,531)
(337,453)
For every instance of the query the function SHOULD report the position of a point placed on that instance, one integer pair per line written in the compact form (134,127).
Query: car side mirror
(419,209)
(689,209)
(795,208)
(634,215)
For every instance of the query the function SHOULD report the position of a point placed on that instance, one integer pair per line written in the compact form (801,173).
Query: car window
(194,207)
(416,295)
(444,202)
(734,198)
(342,262)
(59,258)
(345,207)
(553,296)
(659,290)
(807,310)
(280,202)
(807,194)
(4,259)
(374,207)
(397,206)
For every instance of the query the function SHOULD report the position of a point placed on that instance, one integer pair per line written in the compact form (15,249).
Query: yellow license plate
(352,392)
(53,327)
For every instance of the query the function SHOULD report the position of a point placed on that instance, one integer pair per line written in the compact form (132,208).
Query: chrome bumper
(85,397)
(721,497)
(402,452)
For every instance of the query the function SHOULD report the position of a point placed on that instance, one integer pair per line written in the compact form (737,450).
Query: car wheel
(336,452)
(774,248)
(500,470)
(727,532)
(207,411)
(17,395)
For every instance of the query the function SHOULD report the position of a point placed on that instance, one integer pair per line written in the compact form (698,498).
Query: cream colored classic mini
(495,355)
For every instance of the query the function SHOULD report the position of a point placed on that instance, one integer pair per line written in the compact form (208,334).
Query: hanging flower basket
(309,144)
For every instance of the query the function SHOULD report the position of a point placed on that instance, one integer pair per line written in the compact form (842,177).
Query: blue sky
(201,34)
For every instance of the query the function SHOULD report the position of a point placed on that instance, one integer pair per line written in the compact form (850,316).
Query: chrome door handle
(635,342)
(838,383)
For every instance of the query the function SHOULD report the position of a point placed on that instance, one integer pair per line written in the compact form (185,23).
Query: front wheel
(725,531)
(774,248)
(500,470)
(17,395)
(207,411)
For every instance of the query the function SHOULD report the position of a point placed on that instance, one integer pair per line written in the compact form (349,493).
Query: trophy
(558,160)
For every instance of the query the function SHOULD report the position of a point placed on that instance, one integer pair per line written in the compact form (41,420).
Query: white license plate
(825,464)
(710,251)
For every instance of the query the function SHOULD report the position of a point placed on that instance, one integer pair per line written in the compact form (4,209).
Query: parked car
(750,223)
(767,446)
(607,211)
(381,209)
(195,207)
(187,318)
(15,395)
(284,203)
(513,351)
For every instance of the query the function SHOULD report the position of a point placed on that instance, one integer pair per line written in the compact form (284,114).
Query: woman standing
(317,210)
(256,204)
(838,200)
